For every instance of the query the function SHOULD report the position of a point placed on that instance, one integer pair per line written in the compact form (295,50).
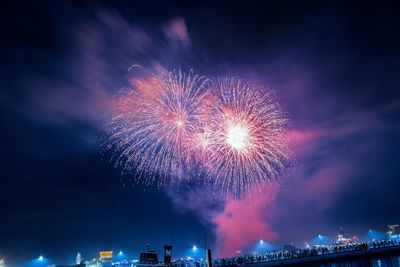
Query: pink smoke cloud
(297,137)
(243,222)
(302,141)
(323,188)
(98,67)
(176,29)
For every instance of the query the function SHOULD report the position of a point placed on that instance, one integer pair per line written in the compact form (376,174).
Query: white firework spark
(150,126)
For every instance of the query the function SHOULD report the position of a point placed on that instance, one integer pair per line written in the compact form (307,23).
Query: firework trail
(245,143)
(228,133)
(150,126)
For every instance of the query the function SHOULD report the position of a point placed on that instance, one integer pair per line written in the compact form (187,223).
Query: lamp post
(40,259)
(194,249)
(262,246)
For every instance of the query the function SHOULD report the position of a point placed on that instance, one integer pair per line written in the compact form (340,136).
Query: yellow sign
(106,254)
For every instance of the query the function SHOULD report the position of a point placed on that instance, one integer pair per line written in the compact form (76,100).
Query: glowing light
(40,258)
(106,254)
(179,123)
(229,133)
(194,248)
(261,241)
(237,136)
(152,133)
(248,143)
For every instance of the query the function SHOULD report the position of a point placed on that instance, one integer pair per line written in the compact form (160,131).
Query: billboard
(167,254)
(106,255)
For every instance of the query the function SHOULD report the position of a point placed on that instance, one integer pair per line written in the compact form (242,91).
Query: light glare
(238,136)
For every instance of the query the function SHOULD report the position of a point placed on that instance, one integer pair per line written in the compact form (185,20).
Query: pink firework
(176,125)
(151,126)
(245,140)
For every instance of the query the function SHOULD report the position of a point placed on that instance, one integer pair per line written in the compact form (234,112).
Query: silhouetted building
(149,257)
(167,254)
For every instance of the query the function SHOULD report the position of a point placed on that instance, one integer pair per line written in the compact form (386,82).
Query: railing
(304,253)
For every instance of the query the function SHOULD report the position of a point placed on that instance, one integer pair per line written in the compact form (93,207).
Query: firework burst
(229,133)
(151,125)
(246,143)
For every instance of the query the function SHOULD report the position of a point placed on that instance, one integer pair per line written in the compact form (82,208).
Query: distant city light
(376,235)
(260,248)
(78,259)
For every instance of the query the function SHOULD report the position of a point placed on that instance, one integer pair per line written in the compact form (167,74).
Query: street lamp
(194,249)
(261,247)
(319,239)
(40,260)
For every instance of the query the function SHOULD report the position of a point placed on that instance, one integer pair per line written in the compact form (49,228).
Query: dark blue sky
(333,65)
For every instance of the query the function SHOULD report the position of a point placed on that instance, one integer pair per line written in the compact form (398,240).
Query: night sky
(334,67)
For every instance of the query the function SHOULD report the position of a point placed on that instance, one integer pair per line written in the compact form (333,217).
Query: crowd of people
(384,243)
(306,252)
(285,254)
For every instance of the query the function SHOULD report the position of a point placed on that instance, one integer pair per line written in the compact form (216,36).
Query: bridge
(329,258)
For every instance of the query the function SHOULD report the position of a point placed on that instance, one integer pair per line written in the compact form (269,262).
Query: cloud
(237,223)
(203,203)
(96,64)
(175,29)
(244,221)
